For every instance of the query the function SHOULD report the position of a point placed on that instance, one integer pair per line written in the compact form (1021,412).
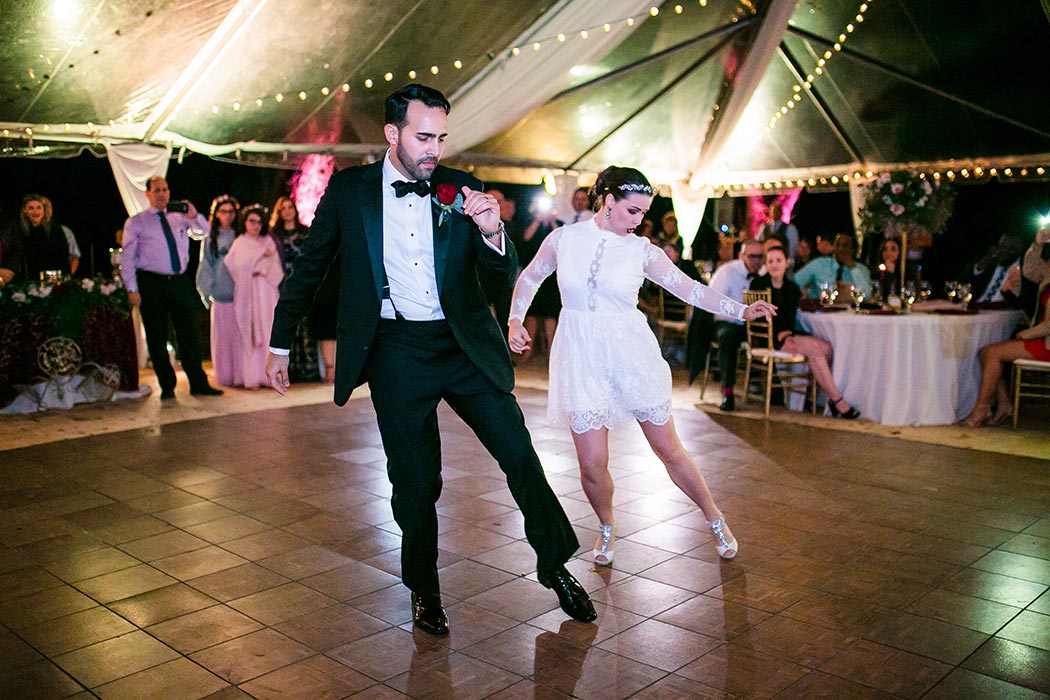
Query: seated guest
(993,399)
(803,254)
(987,274)
(825,245)
(731,280)
(668,234)
(10,251)
(839,271)
(215,285)
(817,351)
(645,230)
(889,266)
(46,244)
(255,266)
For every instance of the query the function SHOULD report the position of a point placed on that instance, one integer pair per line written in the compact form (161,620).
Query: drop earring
(608,213)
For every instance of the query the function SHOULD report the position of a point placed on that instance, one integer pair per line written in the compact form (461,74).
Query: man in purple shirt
(154,261)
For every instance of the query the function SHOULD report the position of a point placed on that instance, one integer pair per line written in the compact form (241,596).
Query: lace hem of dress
(584,421)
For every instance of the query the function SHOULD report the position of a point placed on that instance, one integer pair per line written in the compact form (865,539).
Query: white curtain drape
(133,164)
(516,85)
(689,205)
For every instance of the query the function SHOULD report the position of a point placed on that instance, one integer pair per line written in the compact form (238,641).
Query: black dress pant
(729,337)
(412,367)
(174,298)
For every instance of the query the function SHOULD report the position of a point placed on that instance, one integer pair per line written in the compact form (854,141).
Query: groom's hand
(277,372)
(482,208)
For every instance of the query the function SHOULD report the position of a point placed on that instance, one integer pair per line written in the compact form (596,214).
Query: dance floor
(253,555)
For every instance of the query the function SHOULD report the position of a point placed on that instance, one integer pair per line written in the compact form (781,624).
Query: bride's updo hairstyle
(620,183)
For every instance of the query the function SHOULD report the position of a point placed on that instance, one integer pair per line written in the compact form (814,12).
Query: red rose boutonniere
(448,199)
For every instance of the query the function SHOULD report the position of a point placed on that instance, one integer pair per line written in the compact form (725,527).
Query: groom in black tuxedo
(415,324)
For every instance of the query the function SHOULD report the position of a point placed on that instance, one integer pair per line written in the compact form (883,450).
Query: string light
(513,52)
(818,70)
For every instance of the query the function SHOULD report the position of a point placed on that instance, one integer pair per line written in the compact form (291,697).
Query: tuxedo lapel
(442,235)
(372,220)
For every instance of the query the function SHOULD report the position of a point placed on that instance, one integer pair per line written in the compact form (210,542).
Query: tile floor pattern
(254,556)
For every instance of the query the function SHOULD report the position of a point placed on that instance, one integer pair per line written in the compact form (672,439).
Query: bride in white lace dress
(605,362)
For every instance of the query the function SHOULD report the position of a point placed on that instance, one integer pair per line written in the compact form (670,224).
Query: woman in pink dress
(256,270)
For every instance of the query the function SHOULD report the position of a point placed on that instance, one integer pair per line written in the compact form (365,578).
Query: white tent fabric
(532,78)
(133,164)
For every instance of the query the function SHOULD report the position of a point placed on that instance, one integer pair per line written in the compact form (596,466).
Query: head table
(915,369)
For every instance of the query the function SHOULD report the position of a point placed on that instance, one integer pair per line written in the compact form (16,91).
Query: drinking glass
(952,290)
(965,294)
(825,295)
(908,296)
(924,290)
(858,297)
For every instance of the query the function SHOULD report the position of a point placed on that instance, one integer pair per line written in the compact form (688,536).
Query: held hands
(760,309)
(517,337)
(482,208)
(277,372)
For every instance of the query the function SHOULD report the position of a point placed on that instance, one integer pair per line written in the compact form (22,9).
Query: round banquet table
(918,369)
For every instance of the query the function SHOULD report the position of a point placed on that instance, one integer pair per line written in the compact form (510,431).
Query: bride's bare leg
(592,452)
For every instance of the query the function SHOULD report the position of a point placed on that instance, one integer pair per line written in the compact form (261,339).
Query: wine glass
(858,296)
(825,295)
(965,294)
(908,296)
(952,290)
(924,290)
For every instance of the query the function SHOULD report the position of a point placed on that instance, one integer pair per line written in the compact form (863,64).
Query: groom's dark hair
(396,106)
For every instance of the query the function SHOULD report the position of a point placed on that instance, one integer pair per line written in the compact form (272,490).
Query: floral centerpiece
(65,303)
(903,202)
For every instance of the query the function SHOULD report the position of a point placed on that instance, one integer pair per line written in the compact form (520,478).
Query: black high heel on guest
(848,415)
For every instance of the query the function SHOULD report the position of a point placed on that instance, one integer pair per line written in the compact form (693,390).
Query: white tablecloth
(919,369)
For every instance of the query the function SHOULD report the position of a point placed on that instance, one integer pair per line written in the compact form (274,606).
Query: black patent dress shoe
(206,391)
(728,403)
(429,617)
(167,394)
(574,600)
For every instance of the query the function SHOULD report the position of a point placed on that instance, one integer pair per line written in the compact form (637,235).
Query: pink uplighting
(309,183)
(758,209)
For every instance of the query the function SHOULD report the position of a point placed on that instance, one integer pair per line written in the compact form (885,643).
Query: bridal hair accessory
(636,187)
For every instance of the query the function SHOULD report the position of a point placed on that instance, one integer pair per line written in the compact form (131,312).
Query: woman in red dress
(1033,343)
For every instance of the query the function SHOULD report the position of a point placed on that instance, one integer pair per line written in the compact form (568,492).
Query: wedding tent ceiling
(715,92)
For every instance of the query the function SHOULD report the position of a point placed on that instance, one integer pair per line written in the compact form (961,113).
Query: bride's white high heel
(603,555)
(726,549)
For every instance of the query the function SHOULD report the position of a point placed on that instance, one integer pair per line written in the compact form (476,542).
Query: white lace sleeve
(541,267)
(659,268)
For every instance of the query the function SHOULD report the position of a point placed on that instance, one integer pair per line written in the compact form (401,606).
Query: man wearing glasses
(732,279)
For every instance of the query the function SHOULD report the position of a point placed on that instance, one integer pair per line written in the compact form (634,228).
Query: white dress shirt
(731,279)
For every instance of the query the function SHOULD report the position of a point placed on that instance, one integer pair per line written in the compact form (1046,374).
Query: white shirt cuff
(499,247)
(280,351)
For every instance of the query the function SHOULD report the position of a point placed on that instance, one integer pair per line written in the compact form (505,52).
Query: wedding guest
(255,266)
(46,244)
(11,264)
(779,229)
(825,245)
(731,280)
(605,364)
(581,205)
(993,398)
(154,265)
(547,305)
(803,254)
(289,233)
(889,269)
(987,274)
(785,296)
(669,232)
(839,271)
(647,231)
(215,285)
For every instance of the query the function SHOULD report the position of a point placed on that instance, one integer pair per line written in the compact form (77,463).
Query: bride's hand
(518,338)
(760,309)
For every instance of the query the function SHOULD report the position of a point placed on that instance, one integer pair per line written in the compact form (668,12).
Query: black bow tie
(420,187)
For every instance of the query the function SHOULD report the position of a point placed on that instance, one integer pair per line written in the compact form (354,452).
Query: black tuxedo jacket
(349,221)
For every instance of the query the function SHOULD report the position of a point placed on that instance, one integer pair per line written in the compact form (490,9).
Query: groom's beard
(420,169)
